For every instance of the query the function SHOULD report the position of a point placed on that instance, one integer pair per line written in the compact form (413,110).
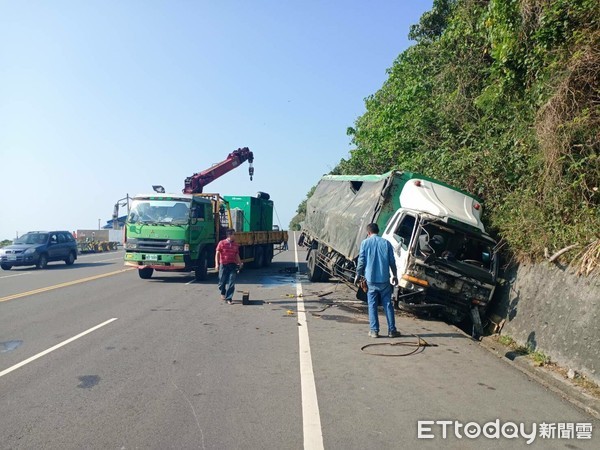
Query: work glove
(394,281)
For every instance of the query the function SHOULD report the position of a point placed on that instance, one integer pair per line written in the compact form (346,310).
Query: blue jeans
(381,292)
(227,276)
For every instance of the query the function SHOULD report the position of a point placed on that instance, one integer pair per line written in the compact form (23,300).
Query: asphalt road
(92,356)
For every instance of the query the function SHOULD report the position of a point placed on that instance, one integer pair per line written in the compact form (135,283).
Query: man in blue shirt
(375,260)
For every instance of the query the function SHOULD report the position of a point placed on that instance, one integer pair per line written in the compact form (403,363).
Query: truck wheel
(201,271)
(5,266)
(268,255)
(315,273)
(42,262)
(477,330)
(70,259)
(259,257)
(145,273)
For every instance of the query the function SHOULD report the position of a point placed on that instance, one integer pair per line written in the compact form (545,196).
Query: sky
(103,99)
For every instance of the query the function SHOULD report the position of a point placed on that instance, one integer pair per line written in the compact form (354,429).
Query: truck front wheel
(201,271)
(146,273)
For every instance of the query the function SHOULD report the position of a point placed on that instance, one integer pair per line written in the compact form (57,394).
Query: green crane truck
(180,232)
(445,259)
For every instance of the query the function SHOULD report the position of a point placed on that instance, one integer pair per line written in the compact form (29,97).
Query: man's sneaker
(229,301)
(394,334)
(222,297)
(373,334)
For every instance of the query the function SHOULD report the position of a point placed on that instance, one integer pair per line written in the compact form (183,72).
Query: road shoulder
(546,377)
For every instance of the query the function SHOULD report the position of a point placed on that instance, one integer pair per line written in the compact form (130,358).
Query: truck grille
(153,244)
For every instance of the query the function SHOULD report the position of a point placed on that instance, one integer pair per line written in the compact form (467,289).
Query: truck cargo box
(340,209)
(257,212)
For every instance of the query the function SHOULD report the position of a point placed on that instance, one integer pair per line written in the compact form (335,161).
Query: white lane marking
(16,275)
(112,259)
(57,346)
(79,257)
(91,255)
(311,419)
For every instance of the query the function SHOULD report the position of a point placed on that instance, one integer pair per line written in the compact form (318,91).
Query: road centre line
(57,346)
(311,419)
(61,285)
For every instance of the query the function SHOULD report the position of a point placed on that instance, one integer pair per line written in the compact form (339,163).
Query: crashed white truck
(447,264)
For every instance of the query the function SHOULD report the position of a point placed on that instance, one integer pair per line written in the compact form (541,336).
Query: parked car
(37,248)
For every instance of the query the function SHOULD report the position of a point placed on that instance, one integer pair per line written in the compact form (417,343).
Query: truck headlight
(178,245)
(131,244)
(29,251)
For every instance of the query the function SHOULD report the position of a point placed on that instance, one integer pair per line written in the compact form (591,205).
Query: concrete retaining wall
(553,311)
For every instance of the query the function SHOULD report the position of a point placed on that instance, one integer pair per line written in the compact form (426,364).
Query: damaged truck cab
(446,261)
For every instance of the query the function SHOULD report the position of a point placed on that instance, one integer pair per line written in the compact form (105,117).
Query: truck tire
(268,255)
(42,262)
(146,273)
(315,273)
(6,266)
(259,257)
(201,272)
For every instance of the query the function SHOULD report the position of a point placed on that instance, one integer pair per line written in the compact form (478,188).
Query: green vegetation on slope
(500,98)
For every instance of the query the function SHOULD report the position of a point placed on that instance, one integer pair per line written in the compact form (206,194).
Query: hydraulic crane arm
(195,184)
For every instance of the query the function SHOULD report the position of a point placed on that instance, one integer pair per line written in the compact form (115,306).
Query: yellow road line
(62,285)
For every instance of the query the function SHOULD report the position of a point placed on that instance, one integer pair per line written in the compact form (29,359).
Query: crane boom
(195,183)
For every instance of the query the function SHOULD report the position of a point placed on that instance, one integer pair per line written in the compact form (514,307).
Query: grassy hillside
(501,99)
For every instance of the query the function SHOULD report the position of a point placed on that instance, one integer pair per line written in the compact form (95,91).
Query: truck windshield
(455,246)
(159,212)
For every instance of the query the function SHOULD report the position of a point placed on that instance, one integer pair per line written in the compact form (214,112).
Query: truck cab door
(203,232)
(200,226)
(399,233)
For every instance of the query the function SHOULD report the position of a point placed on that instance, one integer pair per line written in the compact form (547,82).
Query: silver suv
(37,248)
